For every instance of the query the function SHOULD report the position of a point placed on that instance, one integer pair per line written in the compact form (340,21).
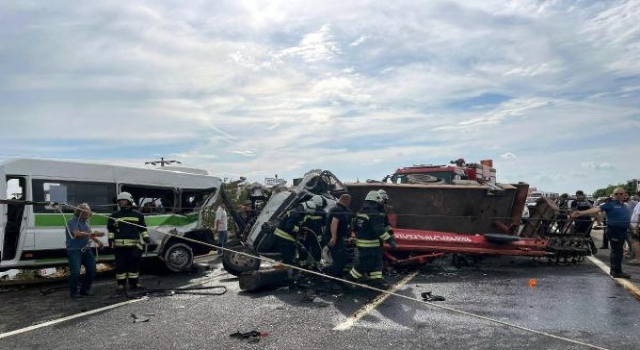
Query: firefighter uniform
(305,219)
(371,230)
(126,229)
(312,227)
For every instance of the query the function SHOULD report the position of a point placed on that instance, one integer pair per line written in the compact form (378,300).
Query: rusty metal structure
(433,212)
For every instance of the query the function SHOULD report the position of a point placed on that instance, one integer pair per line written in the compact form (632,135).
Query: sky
(549,90)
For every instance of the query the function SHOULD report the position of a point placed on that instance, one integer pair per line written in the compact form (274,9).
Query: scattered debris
(251,337)
(137,318)
(427,296)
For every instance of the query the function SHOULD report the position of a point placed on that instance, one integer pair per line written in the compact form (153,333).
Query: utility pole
(162,162)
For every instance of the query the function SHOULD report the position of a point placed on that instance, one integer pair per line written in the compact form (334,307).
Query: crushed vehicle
(257,236)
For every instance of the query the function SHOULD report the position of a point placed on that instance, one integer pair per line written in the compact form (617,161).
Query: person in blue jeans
(221,227)
(618,221)
(79,252)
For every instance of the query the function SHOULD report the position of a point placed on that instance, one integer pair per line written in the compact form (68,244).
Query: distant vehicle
(33,236)
(531,202)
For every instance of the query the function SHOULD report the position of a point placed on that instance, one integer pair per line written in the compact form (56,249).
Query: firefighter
(371,231)
(126,227)
(305,219)
(312,228)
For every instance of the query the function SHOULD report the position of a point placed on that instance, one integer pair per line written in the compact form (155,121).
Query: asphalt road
(577,302)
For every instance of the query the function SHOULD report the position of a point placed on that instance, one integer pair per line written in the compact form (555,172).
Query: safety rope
(365,286)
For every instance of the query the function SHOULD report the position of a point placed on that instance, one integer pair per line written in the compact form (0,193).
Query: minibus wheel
(178,257)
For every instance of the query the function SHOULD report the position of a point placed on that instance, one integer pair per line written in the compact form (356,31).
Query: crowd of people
(617,214)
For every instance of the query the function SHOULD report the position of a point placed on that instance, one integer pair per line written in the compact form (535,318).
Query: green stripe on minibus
(53,220)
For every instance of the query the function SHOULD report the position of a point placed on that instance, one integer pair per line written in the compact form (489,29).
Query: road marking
(628,285)
(67,318)
(351,320)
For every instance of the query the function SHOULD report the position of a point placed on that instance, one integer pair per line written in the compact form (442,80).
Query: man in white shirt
(635,227)
(221,227)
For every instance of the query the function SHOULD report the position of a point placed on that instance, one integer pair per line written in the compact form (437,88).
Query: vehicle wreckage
(434,210)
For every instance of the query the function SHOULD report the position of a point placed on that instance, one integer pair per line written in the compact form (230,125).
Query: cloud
(315,46)
(257,88)
(361,39)
(597,166)
(508,156)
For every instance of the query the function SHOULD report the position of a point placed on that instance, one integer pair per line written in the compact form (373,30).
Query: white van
(33,236)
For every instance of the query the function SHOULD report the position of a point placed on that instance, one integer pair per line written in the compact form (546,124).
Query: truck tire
(178,257)
(236,264)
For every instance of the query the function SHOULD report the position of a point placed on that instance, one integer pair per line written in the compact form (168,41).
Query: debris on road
(427,296)
(137,318)
(251,337)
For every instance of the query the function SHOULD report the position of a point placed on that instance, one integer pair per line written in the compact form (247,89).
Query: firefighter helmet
(318,201)
(384,195)
(374,196)
(126,196)
(315,202)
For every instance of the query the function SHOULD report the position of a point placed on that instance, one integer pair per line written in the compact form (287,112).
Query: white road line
(64,319)
(632,288)
(351,320)
(91,312)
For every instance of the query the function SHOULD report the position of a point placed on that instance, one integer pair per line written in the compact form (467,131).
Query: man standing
(221,227)
(126,227)
(618,221)
(371,230)
(635,229)
(79,251)
(630,204)
(583,223)
(339,229)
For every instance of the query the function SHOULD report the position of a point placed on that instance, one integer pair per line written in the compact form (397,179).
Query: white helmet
(384,195)
(315,202)
(126,196)
(318,201)
(374,196)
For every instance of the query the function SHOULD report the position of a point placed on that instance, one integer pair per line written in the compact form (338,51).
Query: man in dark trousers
(337,233)
(583,222)
(126,227)
(371,230)
(618,221)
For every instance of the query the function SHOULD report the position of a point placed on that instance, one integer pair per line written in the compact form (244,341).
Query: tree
(606,192)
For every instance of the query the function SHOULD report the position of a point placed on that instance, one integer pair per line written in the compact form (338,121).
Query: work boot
(87,293)
(619,274)
(136,286)
(121,289)
(350,278)
(380,284)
